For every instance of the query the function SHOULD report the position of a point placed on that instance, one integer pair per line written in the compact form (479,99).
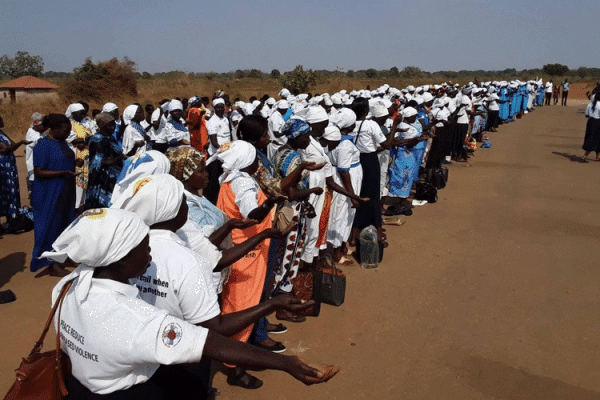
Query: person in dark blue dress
(53,192)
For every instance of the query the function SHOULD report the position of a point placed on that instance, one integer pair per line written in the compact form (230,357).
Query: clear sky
(222,36)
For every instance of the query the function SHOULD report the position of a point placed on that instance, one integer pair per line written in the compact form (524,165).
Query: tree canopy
(22,64)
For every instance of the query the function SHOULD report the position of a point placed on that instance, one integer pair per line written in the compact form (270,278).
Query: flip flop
(252,383)
(345,261)
(279,328)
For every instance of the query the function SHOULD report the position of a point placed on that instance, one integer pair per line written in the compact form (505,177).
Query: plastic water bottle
(369,247)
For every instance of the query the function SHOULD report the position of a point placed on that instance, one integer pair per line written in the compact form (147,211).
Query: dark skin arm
(230,324)
(292,179)
(226,350)
(347,182)
(238,251)
(260,212)
(341,190)
(4,149)
(297,194)
(46,173)
(213,141)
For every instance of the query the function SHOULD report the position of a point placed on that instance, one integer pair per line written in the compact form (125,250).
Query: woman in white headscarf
(140,165)
(241,197)
(117,342)
(134,137)
(176,131)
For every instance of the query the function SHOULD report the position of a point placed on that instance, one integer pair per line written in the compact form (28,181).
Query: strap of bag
(38,345)
(59,354)
(358,132)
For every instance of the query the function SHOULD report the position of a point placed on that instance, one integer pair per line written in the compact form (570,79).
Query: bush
(555,69)
(299,81)
(255,74)
(411,72)
(106,80)
(275,73)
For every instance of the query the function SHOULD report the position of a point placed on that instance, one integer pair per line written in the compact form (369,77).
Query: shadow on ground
(10,266)
(502,381)
(571,157)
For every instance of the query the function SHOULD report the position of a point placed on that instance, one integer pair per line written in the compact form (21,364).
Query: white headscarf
(378,109)
(154,198)
(155,115)
(73,108)
(129,113)
(175,105)
(409,112)
(98,238)
(235,156)
(332,133)
(218,101)
(108,107)
(345,118)
(139,166)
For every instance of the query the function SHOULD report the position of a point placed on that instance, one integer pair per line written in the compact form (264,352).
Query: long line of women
(195,218)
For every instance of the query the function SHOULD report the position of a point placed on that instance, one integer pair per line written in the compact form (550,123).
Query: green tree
(582,72)
(394,72)
(371,73)
(299,81)
(254,73)
(239,74)
(555,69)
(22,64)
(350,73)
(411,72)
(275,73)
(146,75)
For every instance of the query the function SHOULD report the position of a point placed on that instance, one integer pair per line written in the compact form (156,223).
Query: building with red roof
(27,87)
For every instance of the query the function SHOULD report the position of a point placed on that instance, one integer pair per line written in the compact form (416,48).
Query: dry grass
(17,117)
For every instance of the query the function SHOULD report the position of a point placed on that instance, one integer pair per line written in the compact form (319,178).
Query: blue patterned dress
(102,179)
(10,196)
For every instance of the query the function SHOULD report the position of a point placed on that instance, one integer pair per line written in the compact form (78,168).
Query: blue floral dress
(10,196)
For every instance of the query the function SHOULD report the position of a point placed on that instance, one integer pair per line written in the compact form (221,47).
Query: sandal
(278,347)
(245,380)
(345,261)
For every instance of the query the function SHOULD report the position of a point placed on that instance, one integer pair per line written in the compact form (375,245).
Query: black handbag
(330,286)
(437,177)
(426,191)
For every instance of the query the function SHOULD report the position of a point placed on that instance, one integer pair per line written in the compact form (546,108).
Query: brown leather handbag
(43,375)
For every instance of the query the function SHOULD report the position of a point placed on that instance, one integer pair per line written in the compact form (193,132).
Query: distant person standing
(555,93)
(591,142)
(549,87)
(565,88)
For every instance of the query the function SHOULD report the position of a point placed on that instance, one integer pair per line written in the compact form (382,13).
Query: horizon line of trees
(25,64)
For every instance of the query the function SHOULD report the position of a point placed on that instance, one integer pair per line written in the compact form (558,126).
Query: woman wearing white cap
(134,137)
(79,139)
(117,342)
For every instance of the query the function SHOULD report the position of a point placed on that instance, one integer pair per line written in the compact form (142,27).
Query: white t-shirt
(246,190)
(466,105)
(220,127)
(276,124)
(33,136)
(173,134)
(548,87)
(345,156)
(592,114)
(441,114)
(130,136)
(369,137)
(116,340)
(178,280)
(492,103)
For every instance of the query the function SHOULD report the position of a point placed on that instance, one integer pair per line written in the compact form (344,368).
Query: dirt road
(492,293)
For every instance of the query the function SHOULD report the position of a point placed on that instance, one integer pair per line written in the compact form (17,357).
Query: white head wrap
(154,198)
(108,107)
(175,105)
(129,113)
(98,238)
(409,112)
(315,114)
(235,156)
(378,109)
(218,101)
(139,166)
(284,93)
(427,97)
(155,115)
(332,133)
(236,116)
(344,118)
(73,108)
(282,104)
